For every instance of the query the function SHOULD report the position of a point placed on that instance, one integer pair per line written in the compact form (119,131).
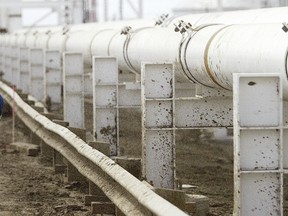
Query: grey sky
(151,8)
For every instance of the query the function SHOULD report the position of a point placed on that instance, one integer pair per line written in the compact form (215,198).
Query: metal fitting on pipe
(263,15)
(216,52)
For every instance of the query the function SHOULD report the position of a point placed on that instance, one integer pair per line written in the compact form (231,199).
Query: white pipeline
(208,52)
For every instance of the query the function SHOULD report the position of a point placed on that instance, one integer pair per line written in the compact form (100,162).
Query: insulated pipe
(57,41)
(55,38)
(21,39)
(191,50)
(145,44)
(243,16)
(215,53)
(210,55)
(80,32)
(31,37)
(150,44)
(58,38)
(263,15)
(247,16)
(87,37)
(101,42)
(112,43)
(125,47)
(41,41)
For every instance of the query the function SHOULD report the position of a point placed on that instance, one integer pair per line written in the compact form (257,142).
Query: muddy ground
(29,187)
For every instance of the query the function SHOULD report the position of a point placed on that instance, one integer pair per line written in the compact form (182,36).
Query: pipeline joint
(66,29)
(127,30)
(161,20)
(183,27)
(285,27)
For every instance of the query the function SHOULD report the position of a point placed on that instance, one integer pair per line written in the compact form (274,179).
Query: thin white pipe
(135,188)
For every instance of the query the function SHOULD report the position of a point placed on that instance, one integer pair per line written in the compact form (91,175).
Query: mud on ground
(28,187)
(205,164)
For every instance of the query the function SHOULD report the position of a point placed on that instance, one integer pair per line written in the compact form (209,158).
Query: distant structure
(204,6)
(66,11)
(134,7)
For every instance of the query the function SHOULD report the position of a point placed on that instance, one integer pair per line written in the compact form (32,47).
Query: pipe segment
(207,54)
(263,15)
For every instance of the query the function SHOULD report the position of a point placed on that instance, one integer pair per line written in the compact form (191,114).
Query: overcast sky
(151,8)
(156,7)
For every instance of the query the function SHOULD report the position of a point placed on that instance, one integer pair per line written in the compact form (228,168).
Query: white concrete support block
(53,75)
(105,102)
(285,136)
(7,64)
(1,58)
(37,73)
(24,69)
(158,135)
(88,80)
(285,113)
(73,89)
(258,145)
(15,66)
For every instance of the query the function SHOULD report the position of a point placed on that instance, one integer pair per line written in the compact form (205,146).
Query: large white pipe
(81,41)
(41,40)
(194,54)
(29,37)
(208,56)
(267,15)
(153,41)
(216,52)
(263,15)
(146,45)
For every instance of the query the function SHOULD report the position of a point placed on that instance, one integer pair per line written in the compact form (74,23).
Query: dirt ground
(207,165)
(28,187)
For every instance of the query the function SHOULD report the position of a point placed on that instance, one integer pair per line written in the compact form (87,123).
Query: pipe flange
(162,20)
(188,32)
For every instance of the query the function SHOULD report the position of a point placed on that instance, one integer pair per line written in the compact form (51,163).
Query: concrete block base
(73,175)
(101,146)
(197,205)
(132,165)
(176,197)
(79,132)
(201,202)
(27,148)
(60,168)
(88,199)
(103,208)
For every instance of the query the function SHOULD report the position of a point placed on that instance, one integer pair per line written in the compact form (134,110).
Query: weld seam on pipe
(206,52)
